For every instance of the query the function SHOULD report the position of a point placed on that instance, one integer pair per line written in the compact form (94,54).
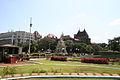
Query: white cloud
(114,23)
(83,14)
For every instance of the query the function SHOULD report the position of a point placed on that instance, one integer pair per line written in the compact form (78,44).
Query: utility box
(12,59)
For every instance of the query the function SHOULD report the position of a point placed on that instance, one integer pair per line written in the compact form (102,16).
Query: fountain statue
(61,48)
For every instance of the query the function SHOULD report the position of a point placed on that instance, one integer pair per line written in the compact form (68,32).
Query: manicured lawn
(73,63)
(61,66)
(80,67)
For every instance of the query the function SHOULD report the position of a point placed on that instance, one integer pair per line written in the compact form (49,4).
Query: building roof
(81,33)
(37,35)
(9,45)
(51,36)
(66,37)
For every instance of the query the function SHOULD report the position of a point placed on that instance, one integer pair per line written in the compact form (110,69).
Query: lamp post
(30,35)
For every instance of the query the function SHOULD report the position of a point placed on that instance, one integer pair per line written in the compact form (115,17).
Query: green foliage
(42,71)
(69,45)
(114,44)
(8,70)
(47,43)
(104,46)
(89,49)
(60,66)
(110,51)
(25,46)
(55,70)
(35,54)
(79,47)
(34,46)
(23,54)
(96,48)
(38,70)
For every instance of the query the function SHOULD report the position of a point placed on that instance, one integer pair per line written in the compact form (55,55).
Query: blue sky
(100,18)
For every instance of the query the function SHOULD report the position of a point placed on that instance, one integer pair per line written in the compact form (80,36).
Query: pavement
(60,75)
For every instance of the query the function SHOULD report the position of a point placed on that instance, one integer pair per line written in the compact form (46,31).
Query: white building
(15,38)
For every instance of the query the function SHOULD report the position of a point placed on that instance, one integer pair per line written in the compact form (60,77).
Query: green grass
(74,63)
(61,66)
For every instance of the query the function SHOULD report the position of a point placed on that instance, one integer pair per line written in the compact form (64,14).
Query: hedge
(95,60)
(59,58)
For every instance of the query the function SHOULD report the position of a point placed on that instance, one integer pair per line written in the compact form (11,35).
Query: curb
(60,75)
(65,76)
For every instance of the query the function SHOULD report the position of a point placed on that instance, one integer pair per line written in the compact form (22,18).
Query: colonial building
(15,38)
(82,37)
(37,36)
(52,36)
(66,37)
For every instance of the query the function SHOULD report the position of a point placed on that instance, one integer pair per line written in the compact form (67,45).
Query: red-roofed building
(52,36)
(66,37)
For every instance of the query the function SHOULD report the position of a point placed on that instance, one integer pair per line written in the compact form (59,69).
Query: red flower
(59,58)
(95,60)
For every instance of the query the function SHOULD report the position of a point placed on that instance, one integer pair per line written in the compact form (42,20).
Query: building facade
(82,37)
(15,38)
(52,36)
(66,37)
(37,36)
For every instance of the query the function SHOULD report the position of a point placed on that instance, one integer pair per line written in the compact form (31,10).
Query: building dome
(51,36)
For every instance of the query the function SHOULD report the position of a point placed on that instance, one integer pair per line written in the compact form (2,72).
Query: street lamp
(30,35)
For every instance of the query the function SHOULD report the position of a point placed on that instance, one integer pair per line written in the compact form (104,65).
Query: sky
(100,18)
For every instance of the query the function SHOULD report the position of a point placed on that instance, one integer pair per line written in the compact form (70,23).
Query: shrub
(35,54)
(95,60)
(42,71)
(55,70)
(59,58)
(38,70)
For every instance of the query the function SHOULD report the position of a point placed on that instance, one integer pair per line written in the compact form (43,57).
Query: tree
(114,44)
(46,44)
(96,48)
(34,46)
(69,45)
(25,46)
(89,49)
(104,46)
(79,47)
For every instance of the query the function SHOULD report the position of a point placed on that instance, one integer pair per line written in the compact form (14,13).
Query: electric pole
(30,35)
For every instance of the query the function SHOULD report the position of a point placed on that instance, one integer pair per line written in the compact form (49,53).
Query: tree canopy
(49,44)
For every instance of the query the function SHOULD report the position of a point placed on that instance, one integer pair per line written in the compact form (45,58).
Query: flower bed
(95,60)
(59,58)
